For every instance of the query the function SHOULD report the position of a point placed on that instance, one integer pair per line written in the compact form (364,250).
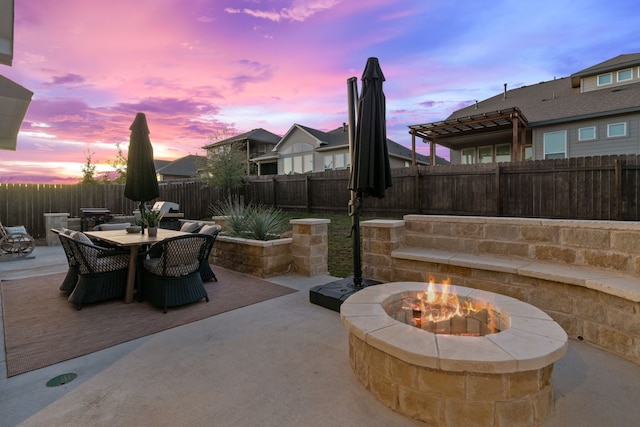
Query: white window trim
(495,157)
(605,74)
(595,133)
(615,124)
(475,155)
(624,80)
(544,145)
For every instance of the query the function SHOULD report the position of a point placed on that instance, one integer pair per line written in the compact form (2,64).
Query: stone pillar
(54,220)
(379,238)
(310,249)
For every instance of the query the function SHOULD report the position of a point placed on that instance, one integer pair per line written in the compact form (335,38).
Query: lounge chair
(172,276)
(15,243)
(102,272)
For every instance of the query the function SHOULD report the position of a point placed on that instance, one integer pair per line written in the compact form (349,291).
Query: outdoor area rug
(42,328)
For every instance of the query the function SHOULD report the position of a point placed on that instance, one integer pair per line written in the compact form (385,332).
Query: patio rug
(42,328)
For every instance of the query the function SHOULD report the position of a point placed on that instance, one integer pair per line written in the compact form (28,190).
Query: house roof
(617,63)
(553,101)
(258,135)
(185,166)
(339,138)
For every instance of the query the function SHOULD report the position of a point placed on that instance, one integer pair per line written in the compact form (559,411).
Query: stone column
(379,238)
(310,249)
(54,220)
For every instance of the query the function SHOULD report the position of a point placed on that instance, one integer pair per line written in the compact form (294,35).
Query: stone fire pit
(499,379)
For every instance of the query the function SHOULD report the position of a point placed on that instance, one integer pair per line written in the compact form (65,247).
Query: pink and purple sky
(203,68)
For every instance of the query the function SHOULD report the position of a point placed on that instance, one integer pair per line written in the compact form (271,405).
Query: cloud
(64,80)
(300,10)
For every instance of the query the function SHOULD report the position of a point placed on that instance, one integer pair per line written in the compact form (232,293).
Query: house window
(555,145)
(335,161)
(528,152)
(624,75)
(485,154)
(503,153)
(468,156)
(616,129)
(604,79)
(328,162)
(587,134)
(298,164)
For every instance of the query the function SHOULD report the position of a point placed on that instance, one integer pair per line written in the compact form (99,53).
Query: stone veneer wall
(452,399)
(601,317)
(305,253)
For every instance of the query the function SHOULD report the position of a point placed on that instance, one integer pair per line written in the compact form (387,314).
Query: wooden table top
(122,238)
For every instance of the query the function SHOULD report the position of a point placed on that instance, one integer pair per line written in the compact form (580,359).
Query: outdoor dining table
(133,241)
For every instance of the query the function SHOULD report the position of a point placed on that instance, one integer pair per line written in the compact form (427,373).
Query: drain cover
(61,380)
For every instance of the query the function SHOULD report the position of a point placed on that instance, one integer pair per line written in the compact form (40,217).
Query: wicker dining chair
(172,276)
(70,280)
(206,273)
(102,272)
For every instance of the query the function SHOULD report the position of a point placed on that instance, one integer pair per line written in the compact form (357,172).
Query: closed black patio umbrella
(370,174)
(370,170)
(142,183)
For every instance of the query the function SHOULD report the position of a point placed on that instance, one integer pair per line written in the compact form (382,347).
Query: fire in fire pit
(440,310)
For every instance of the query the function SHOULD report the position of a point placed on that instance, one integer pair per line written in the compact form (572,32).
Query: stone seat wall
(584,274)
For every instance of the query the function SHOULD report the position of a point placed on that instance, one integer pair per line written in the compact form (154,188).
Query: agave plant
(265,223)
(250,221)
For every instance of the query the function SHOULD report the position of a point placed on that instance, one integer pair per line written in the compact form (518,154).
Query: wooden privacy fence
(600,188)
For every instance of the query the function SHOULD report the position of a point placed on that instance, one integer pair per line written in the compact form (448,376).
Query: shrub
(250,221)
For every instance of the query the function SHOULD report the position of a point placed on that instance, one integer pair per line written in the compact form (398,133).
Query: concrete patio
(281,362)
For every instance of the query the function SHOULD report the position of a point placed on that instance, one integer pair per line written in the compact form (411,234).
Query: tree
(224,167)
(120,165)
(88,170)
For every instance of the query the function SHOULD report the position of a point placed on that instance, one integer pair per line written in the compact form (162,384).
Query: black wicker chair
(70,280)
(206,273)
(102,272)
(172,278)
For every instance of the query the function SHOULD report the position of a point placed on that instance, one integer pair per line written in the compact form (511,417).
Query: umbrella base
(331,295)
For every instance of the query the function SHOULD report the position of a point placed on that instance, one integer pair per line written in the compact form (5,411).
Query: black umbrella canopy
(370,171)
(142,183)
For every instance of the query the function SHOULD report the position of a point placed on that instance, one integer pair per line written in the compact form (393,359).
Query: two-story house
(593,112)
(304,150)
(254,144)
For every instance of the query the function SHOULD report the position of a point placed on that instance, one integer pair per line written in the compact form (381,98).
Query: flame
(436,306)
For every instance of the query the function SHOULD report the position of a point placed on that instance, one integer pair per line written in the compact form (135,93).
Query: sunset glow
(196,68)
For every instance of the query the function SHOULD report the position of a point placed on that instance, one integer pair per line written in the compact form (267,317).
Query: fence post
(274,192)
(498,197)
(617,166)
(307,184)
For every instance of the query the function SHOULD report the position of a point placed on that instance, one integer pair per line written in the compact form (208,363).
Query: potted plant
(152,220)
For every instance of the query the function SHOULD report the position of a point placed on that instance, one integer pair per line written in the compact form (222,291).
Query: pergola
(446,132)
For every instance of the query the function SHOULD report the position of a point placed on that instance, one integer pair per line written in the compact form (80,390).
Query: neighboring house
(180,169)
(304,150)
(593,112)
(254,143)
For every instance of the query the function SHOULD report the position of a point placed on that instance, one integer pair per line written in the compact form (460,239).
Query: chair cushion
(16,229)
(190,227)
(210,229)
(81,237)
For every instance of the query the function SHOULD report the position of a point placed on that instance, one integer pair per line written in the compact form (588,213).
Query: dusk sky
(200,69)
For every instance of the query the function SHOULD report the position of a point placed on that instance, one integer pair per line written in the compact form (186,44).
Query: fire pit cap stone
(528,339)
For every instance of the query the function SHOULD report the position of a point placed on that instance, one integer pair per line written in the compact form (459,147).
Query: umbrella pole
(356,197)
(141,207)
(355,232)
